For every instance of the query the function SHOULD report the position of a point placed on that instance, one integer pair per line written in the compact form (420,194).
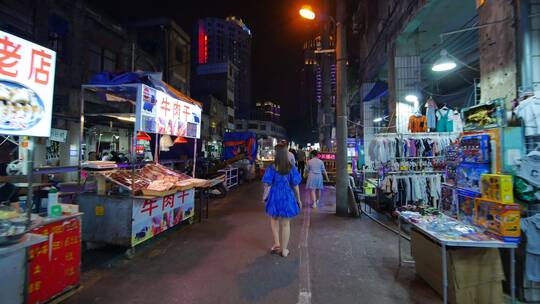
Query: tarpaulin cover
(380,89)
(237,142)
(147,78)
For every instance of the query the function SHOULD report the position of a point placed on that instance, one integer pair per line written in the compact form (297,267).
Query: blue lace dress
(281,201)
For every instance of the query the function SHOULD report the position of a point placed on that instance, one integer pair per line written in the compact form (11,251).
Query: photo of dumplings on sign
(20,107)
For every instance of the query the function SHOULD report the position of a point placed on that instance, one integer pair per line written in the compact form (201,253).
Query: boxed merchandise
(474,275)
(475,149)
(470,175)
(497,187)
(500,219)
(448,200)
(465,205)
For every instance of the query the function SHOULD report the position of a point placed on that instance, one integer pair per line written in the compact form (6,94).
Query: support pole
(30,180)
(194,159)
(342,177)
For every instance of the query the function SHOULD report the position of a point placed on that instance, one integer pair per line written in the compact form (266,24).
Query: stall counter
(13,267)
(54,267)
(128,221)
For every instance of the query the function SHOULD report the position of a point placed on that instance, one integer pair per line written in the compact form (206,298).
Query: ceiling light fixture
(444,63)
(411,98)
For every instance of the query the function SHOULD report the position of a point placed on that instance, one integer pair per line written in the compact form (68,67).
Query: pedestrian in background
(292,157)
(290,154)
(301,161)
(315,171)
(282,197)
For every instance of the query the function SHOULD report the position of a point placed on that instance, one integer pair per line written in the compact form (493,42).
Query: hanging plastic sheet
(240,142)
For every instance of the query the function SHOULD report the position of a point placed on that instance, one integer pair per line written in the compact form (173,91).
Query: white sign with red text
(26,87)
(161,113)
(150,217)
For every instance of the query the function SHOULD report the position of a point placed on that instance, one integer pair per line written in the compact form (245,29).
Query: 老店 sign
(26,87)
(158,112)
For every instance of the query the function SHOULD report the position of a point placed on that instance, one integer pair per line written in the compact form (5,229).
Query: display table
(54,267)
(445,241)
(13,268)
(128,221)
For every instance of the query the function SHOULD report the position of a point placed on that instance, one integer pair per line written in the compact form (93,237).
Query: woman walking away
(283,202)
(315,170)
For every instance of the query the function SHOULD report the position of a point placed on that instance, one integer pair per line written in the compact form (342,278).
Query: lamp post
(343,204)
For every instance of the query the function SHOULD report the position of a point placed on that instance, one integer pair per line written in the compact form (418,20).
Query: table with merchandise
(449,232)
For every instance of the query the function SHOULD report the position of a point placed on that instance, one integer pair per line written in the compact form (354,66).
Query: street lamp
(307,12)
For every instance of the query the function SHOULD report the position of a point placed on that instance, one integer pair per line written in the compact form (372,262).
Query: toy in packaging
(465,204)
(500,219)
(469,175)
(448,201)
(497,187)
(475,149)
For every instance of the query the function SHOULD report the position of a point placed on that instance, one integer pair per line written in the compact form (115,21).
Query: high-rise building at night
(268,111)
(320,109)
(219,40)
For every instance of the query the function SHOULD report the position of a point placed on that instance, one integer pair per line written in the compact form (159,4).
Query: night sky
(278,37)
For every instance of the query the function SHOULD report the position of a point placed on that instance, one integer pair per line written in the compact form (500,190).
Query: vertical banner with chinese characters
(26,87)
(153,216)
(55,265)
(158,112)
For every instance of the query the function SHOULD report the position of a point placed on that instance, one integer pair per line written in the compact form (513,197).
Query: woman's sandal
(275,250)
(283,254)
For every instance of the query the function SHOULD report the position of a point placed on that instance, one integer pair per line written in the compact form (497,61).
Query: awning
(380,89)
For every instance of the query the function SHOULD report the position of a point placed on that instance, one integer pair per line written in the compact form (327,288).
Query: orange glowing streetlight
(307,12)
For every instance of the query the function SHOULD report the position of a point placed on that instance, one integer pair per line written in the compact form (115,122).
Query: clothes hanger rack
(425,173)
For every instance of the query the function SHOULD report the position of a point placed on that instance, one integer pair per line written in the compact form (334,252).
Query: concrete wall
(498,69)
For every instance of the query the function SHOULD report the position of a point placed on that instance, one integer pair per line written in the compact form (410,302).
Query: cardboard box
(500,219)
(474,275)
(497,187)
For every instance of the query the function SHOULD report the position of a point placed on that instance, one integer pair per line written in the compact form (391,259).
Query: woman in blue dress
(315,170)
(283,202)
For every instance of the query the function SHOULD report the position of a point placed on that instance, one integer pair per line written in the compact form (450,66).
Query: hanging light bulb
(143,136)
(444,63)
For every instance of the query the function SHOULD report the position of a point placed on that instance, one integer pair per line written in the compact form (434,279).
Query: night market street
(226,259)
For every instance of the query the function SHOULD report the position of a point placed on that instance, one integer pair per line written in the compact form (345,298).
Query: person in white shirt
(315,183)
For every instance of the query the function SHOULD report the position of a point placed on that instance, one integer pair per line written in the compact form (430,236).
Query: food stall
(137,199)
(39,254)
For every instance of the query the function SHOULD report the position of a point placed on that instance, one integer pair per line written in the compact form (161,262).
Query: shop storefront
(453,161)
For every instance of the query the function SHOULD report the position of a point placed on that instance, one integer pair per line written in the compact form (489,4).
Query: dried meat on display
(154,177)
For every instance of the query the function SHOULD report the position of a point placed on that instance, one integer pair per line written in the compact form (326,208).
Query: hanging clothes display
(529,111)
(431,109)
(531,227)
(444,122)
(417,123)
(457,122)
(392,147)
(413,189)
